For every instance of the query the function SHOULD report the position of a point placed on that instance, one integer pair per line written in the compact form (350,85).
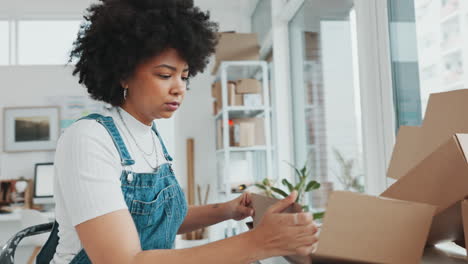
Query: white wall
(30,86)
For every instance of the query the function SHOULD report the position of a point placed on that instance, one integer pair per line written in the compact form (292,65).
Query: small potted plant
(304,185)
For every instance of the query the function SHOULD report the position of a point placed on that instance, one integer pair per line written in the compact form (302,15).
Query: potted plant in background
(303,186)
(349,180)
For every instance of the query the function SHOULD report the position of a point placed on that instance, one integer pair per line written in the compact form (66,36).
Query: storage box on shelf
(236,47)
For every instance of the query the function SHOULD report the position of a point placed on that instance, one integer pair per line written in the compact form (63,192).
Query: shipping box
(234,99)
(430,164)
(359,228)
(243,132)
(248,86)
(236,47)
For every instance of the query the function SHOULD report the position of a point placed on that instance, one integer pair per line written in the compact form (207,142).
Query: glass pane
(46,42)
(428,51)
(4,43)
(326,97)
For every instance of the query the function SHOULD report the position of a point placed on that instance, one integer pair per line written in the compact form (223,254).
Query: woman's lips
(172,106)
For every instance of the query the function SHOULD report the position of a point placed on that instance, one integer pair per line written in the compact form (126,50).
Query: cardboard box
(236,47)
(248,86)
(441,179)
(431,166)
(446,114)
(252,100)
(359,228)
(233,98)
(249,132)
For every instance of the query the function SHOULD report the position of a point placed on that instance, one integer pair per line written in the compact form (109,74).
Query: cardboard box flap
(446,110)
(446,226)
(441,179)
(261,204)
(445,116)
(373,229)
(364,229)
(404,155)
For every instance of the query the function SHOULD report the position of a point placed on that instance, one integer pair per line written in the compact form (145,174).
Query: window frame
(378,119)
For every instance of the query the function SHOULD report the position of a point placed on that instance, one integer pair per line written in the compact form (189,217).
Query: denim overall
(155,201)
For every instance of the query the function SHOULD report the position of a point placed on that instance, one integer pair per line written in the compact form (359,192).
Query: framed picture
(30,128)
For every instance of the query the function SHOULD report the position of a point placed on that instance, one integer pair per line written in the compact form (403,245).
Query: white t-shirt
(88,170)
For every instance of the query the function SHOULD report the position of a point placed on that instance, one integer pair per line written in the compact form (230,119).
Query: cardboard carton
(441,179)
(359,228)
(233,98)
(249,132)
(248,86)
(236,47)
(445,115)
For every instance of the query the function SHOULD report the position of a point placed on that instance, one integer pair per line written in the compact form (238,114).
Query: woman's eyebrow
(172,68)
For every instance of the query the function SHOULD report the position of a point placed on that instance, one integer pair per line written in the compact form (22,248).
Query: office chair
(7,252)
(29,218)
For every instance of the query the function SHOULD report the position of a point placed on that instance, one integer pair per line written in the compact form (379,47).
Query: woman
(117,199)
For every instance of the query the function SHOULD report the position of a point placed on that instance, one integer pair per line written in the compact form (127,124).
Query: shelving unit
(231,71)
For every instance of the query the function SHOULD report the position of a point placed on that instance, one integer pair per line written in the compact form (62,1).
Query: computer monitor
(43,183)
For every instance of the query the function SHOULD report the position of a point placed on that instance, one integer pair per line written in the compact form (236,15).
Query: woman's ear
(124,84)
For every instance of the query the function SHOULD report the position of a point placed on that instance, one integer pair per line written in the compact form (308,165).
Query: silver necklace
(138,146)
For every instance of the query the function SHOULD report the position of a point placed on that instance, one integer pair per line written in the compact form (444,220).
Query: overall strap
(166,154)
(108,123)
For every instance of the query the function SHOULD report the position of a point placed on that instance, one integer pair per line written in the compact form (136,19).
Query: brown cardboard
(359,228)
(249,132)
(441,179)
(445,116)
(464,205)
(233,98)
(248,86)
(236,47)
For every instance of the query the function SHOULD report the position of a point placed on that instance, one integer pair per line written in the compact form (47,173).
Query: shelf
(240,69)
(241,111)
(243,149)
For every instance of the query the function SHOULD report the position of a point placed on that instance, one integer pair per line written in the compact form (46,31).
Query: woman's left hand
(241,207)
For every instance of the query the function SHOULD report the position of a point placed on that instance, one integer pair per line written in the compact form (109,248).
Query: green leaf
(286,183)
(292,166)
(300,185)
(304,172)
(266,182)
(305,208)
(318,216)
(260,186)
(279,191)
(312,185)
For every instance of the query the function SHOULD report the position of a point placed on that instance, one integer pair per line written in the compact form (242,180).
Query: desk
(10,224)
(431,256)
(16,216)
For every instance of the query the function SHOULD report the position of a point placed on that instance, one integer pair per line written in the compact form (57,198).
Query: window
(45,41)
(4,43)
(428,52)
(326,96)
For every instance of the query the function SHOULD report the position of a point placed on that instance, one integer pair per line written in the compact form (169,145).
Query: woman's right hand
(283,234)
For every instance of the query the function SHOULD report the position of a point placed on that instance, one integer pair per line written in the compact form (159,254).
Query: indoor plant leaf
(318,215)
(279,191)
(312,185)
(260,186)
(286,183)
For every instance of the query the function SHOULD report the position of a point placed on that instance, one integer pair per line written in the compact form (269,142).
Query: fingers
(295,219)
(246,211)
(283,204)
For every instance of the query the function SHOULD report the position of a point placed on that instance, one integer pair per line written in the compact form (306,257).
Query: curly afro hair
(118,35)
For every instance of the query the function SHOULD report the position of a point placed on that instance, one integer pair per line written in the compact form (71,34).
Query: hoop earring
(125,91)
